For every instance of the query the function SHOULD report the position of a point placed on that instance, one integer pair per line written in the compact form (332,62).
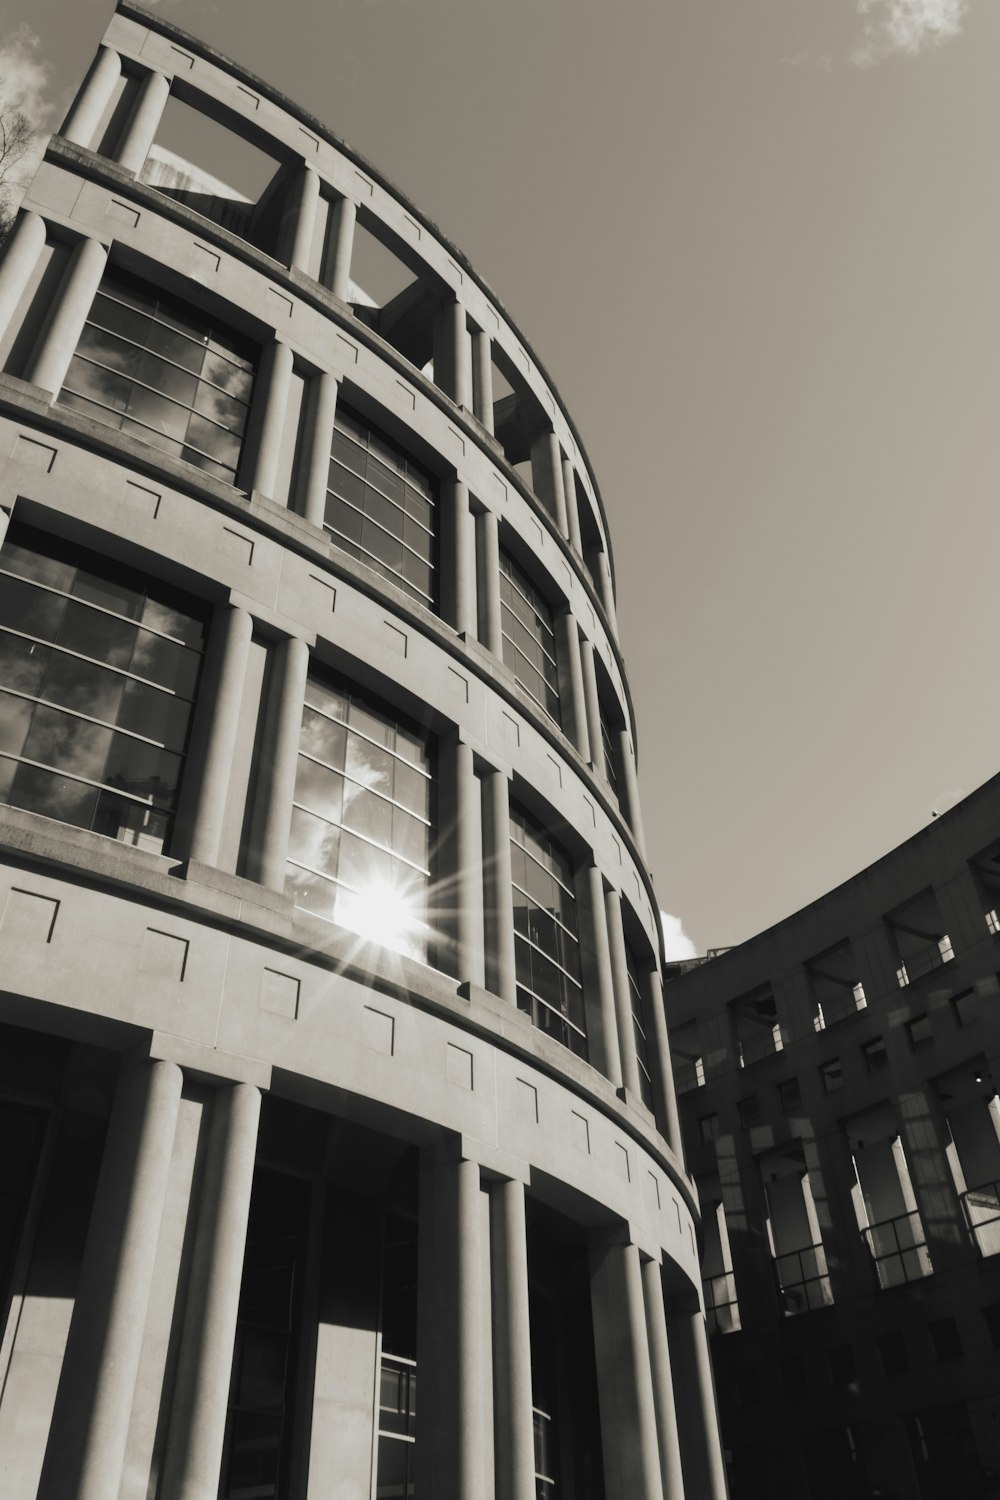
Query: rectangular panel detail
(142,498)
(622,1162)
(396,639)
(378,1031)
(36,455)
(123,213)
(581,1131)
(164,955)
(29,917)
(279,993)
(244,543)
(527,1101)
(459,1066)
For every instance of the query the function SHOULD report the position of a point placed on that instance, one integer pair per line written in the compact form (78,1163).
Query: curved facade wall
(838,1080)
(334,1058)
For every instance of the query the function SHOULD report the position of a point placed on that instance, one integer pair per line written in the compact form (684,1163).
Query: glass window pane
(367,815)
(71,744)
(320,789)
(15,717)
(312,892)
(101,637)
(22,663)
(369,765)
(166,663)
(143,770)
(29,609)
(314,842)
(53,796)
(78,684)
(324,738)
(159,716)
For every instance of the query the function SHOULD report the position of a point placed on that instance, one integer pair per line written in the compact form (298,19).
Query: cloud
(676,942)
(906,26)
(24,86)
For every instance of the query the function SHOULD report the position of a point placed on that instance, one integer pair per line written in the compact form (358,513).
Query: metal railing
(898,1249)
(925,960)
(803,1279)
(982,1214)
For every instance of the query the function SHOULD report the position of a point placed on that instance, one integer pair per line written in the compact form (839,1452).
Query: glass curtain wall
(546,933)
(99,670)
(362,830)
(162,371)
(529,640)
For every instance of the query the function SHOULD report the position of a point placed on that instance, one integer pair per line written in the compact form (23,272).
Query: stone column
(482,377)
(23,249)
(572,506)
(343,215)
(260,471)
(62,333)
(143,123)
(701,1443)
(80,125)
(547,478)
(599,987)
(488,581)
(303,201)
(280,757)
(512,1400)
(592,706)
(90,1423)
(201,1390)
(321,415)
(605,588)
(629,790)
(222,696)
(574,715)
(624,1377)
(452,353)
(460,839)
(664,1089)
(925,1135)
(450,1451)
(501,963)
(458,560)
(623,994)
(671,1471)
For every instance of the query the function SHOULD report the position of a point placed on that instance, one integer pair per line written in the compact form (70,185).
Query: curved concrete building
(839,1081)
(332,1057)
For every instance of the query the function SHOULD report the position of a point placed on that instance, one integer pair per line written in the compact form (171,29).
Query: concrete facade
(332,1048)
(838,1089)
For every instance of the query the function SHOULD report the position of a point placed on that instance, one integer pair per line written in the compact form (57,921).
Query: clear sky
(757,247)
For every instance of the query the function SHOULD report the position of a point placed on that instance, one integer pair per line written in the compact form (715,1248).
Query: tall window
(98,673)
(529,640)
(397,1400)
(639,1025)
(547,944)
(258,1427)
(381,507)
(21,1130)
(544,1396)
(360,848)
(160,370)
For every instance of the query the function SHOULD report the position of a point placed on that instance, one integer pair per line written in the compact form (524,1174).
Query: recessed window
(892,1352)
(99,668)
(992,922)
(156,368)
(749,1110)
(875,1056)
(529,638)
(919,1034)
(362,832)
(381,507)
(789,1093)
(843,1369)
(991,1317)
(397,1358)
(640,1025)
(945,1338)
(546,933)
(708,1128)
(832,1074)
(965,1007)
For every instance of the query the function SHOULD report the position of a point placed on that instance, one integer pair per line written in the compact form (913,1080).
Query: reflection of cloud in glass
(74,745)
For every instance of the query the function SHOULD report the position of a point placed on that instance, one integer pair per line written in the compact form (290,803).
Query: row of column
(471,550)
(89,1431)
(463,362)
(653,1368)
(474,856)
